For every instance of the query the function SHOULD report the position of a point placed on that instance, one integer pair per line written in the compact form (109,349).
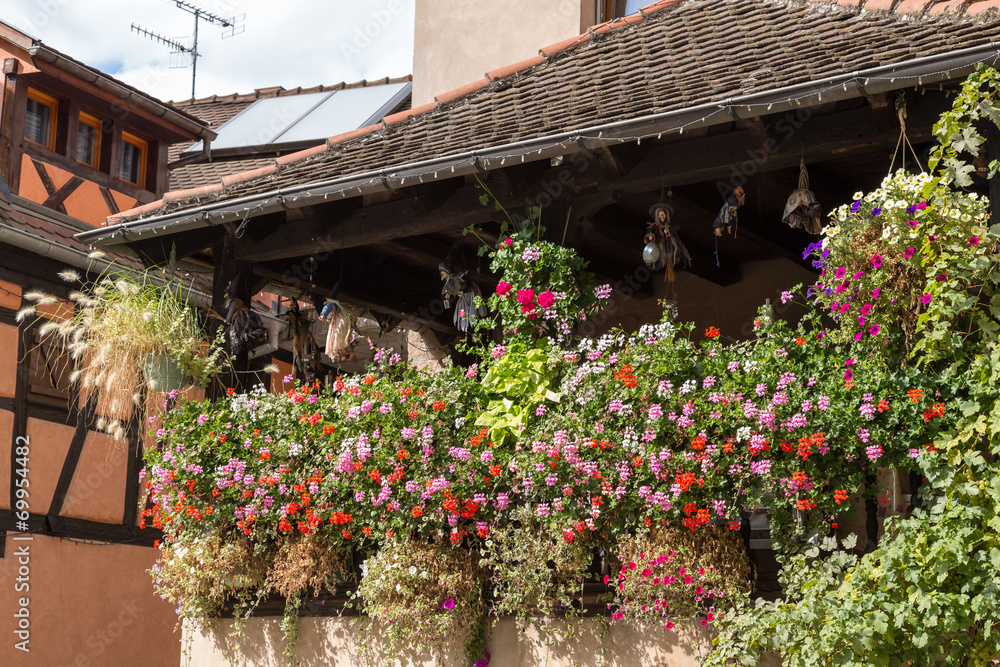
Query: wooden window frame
(94,122)
(53,105)
(143,146)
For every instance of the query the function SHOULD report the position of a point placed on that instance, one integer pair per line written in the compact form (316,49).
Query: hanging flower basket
(163,374)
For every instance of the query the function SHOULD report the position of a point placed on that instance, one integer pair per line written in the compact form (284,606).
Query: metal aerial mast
(232,26)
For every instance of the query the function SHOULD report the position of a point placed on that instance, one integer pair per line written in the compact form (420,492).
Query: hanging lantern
(802,211)
(650,254)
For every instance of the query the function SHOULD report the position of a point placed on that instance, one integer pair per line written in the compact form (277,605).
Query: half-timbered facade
(75,147)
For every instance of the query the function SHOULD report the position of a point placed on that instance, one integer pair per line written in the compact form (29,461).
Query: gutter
(124,93)
(919,71)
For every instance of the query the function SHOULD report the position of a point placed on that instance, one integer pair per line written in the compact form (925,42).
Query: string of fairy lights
(566,143)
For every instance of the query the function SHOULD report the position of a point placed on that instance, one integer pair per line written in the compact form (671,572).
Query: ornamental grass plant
(120,321)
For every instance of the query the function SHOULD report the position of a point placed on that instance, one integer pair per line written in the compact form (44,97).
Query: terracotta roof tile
(403,115)
(516,68)
(203,173)
(467,89)
(979,6)
(679,55)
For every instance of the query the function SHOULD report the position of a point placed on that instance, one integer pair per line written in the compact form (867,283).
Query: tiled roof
(673,55)
(207,173)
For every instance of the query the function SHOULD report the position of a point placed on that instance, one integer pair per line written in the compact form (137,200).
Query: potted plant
(131,330)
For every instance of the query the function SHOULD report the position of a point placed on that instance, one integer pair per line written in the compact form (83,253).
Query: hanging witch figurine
(305,352)
(663,247)
(246,331)
(464,291)
(727,214)
(802,211)
(343,330)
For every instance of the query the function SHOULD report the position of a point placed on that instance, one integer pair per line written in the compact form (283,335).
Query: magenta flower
(875,293)
(909,252)
(974,240)
(449,603)
(877,261)
(926,299)
(840,273)
(874,329)
(508,241)
(865,309)
(504,288)
(857,276)
(546,299)
(526,297)
(912,223)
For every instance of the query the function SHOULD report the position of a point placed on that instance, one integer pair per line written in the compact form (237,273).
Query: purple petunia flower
(876,211)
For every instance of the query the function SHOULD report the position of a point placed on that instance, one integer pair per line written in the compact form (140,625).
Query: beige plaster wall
(89,606)
(456,43)
(332,642)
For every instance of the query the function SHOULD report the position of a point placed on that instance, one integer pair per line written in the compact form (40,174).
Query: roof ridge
(280,91)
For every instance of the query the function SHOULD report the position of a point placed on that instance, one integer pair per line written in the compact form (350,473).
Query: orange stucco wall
(48,443)
(97,492)
(6,437)
(10,295)
(85,203)
(8,359)
(89,606)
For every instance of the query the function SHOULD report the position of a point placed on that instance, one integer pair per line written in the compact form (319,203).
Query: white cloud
(286,43)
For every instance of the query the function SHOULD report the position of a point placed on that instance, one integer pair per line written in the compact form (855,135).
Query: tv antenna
(233,26)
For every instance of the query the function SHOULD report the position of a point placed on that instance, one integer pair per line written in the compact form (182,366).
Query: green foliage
(519,380)
(928,594)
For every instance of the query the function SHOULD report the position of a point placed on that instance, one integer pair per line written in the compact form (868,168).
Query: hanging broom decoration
(802,211)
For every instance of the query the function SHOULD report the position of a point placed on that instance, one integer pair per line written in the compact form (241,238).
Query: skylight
(292,119)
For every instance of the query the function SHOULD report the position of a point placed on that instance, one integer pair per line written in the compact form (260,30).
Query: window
(614,9)
(88,140)
(133,166)
(40,119)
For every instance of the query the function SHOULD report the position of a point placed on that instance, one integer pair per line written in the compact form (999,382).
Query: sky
(286,42)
